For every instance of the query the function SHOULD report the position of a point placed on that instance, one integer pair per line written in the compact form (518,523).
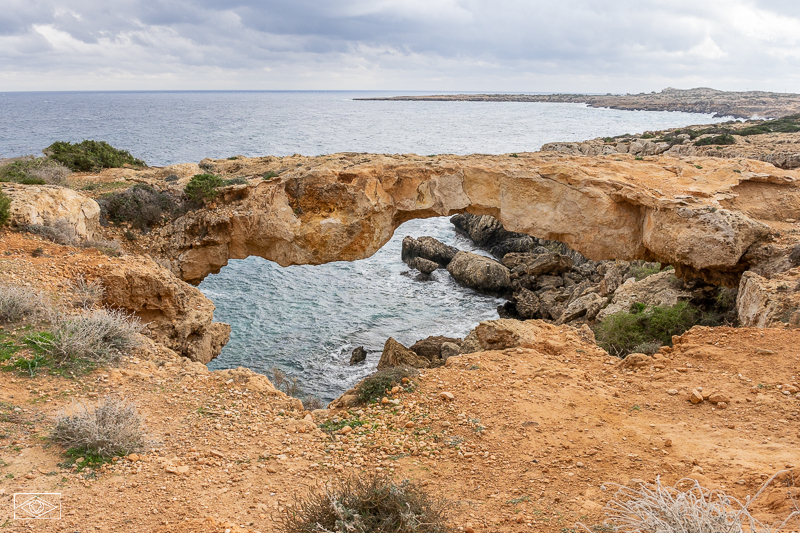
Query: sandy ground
(530,437)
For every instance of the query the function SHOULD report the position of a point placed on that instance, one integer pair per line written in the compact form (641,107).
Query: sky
(594,46)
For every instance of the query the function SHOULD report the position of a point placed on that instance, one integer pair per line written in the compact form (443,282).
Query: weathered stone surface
(449,349)
(358,355)
(177,314)
(488,233)
(527,303)
(427,248)
(661,289)
(42,204)
(395,354)
(431,348)
(479,273)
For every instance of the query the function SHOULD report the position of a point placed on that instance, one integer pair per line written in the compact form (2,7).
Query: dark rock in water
(431,348)
(395,354)
(359,355)
(427,248)
(480,273)
(425,266)
(488,233)
(527,304)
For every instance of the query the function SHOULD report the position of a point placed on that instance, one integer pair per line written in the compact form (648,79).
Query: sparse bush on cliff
(17,302)
(113,428)
(90,338)
(5,208)
(34,171)
(655,507)
(203,187)
(375,386)
(291,387)
(619,334)
(59,231)
(367,503)
(89,155)
(725,138)
(642,269)
(142,206)
(87,293)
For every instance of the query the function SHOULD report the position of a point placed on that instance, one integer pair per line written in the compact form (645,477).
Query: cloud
(499,45)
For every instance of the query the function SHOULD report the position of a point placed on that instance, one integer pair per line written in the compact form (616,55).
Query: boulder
(763,302)
(425,266)
(395,354)
(46,204)
(431,348)
(552,264)
(480,273)
(586,306)
(662,289)
(449,349)
(427,248)
(526,303)
(358,355)
(614,273)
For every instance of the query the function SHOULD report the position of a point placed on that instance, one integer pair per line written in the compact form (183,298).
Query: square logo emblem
(37,506)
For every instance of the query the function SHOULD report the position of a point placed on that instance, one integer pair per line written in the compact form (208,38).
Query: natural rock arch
(700,215)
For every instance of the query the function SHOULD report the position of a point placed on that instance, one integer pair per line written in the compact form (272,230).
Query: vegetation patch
(725,138)
(141,206)
(378,384)
(368,503)
(621,333)
(34,171)
(88,156)
(112,428)
(642,269)
(203,187)
(18,303)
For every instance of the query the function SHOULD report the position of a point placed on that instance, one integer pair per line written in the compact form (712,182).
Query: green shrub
(203,187)
(375,386)
(142,206)
(238,180)
(5,208)
(725,138)
(34,171)
(88,155)
(622,333)
(366,503)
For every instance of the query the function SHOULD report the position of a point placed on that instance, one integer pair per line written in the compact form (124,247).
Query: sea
(306,320)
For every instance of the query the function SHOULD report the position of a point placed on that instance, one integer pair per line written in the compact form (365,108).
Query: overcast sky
(427,45)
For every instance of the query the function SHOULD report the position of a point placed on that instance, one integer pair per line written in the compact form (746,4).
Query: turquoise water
(306,319)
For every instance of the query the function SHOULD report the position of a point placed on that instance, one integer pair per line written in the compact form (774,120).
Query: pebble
(446,396)
(384,400)
(133,457)
(410,425)
(345,430)
(668,443)
(717,397)
(695,397)
(271,469)
(672,392)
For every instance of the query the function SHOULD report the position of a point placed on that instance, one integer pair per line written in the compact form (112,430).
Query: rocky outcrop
(422,265)
(346,206)
(45,204)
(431,348)
(763,302)
(177,314)
(662,289)
(395,354)
(488,233)
(480,273)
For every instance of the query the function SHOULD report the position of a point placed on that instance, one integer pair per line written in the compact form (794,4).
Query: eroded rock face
(178,315)
(763,302)
(661,289)
(431,348)
(43,204)
(346,206)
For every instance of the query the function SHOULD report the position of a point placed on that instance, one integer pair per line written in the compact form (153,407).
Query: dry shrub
(366,503)
(112,428)
(17,303)
(291,387)
(59,231)
(87,293)
(99,336)
(660,509)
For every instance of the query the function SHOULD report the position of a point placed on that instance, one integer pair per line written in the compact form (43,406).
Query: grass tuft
(375,386)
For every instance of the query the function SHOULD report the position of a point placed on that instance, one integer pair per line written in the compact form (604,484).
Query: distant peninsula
(745,105)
